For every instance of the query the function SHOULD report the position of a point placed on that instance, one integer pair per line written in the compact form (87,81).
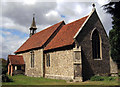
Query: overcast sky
(16,17)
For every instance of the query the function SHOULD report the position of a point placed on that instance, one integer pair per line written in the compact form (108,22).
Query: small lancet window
(48,60)
(32,59)
(96,44)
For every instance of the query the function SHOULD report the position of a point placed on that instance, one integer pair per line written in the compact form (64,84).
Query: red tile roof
(39,39)
(16,59)
(65,36)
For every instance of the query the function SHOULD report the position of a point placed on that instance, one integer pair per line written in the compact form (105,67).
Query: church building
(73,51)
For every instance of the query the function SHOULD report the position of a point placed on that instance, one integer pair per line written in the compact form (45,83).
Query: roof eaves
(62,22)
(58,47)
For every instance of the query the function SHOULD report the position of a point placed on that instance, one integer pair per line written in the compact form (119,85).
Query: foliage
(3,65)
(103,78)
(71,80)
(110,78)
(5,78)
(112,8)
(96,78)
(119,74)
(114,35)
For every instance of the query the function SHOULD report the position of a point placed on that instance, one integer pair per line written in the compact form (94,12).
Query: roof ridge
(48,27)
(77,20)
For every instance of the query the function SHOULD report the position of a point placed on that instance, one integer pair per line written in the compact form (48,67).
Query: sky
(16,18)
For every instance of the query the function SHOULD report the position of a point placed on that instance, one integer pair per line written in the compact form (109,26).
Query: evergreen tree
(114,35)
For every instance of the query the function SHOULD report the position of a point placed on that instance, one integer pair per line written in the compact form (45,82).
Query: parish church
(73,51)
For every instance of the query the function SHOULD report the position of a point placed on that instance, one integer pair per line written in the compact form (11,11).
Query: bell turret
(33,27)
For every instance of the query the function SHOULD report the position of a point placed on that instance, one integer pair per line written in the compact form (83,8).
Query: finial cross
(33,14)
(93,5)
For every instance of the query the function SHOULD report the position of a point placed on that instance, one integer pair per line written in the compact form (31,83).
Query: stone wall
(37,70)
(61,65)
(62,61)
(92,66)
(113,68)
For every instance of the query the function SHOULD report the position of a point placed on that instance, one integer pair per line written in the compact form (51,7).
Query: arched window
(96,44)
(32,59)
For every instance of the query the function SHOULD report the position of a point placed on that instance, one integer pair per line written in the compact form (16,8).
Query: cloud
(8,23)
(52,16)
(104,17)
(30,2)
(73,10)
(17,16)
(10,43)
(102,2)
(6,33)
(22,14)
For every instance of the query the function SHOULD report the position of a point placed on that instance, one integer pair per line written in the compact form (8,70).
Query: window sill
(97,59)
(31,67)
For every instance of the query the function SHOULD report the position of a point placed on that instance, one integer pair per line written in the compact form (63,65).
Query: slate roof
(65,36)
(16,59)
(39,39)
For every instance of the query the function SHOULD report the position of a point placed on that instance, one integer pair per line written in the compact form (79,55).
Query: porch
(15,64)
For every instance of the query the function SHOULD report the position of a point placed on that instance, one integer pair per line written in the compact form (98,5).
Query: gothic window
(96,45)
(32,59)
(48,60)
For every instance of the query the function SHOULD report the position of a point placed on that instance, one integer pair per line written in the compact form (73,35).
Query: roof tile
(16,59)
(38,39)
(65,36)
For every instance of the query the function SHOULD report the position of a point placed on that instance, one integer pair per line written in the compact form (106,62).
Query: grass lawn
(25,80)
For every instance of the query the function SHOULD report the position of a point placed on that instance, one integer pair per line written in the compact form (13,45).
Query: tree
(3,66)
(114,35)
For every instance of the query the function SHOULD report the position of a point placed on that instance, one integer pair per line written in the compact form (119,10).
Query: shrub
(110,78)
(101,78)
(5,78)
(4,70)
(71,80)
(3,66)
(96,78)
(119,74)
